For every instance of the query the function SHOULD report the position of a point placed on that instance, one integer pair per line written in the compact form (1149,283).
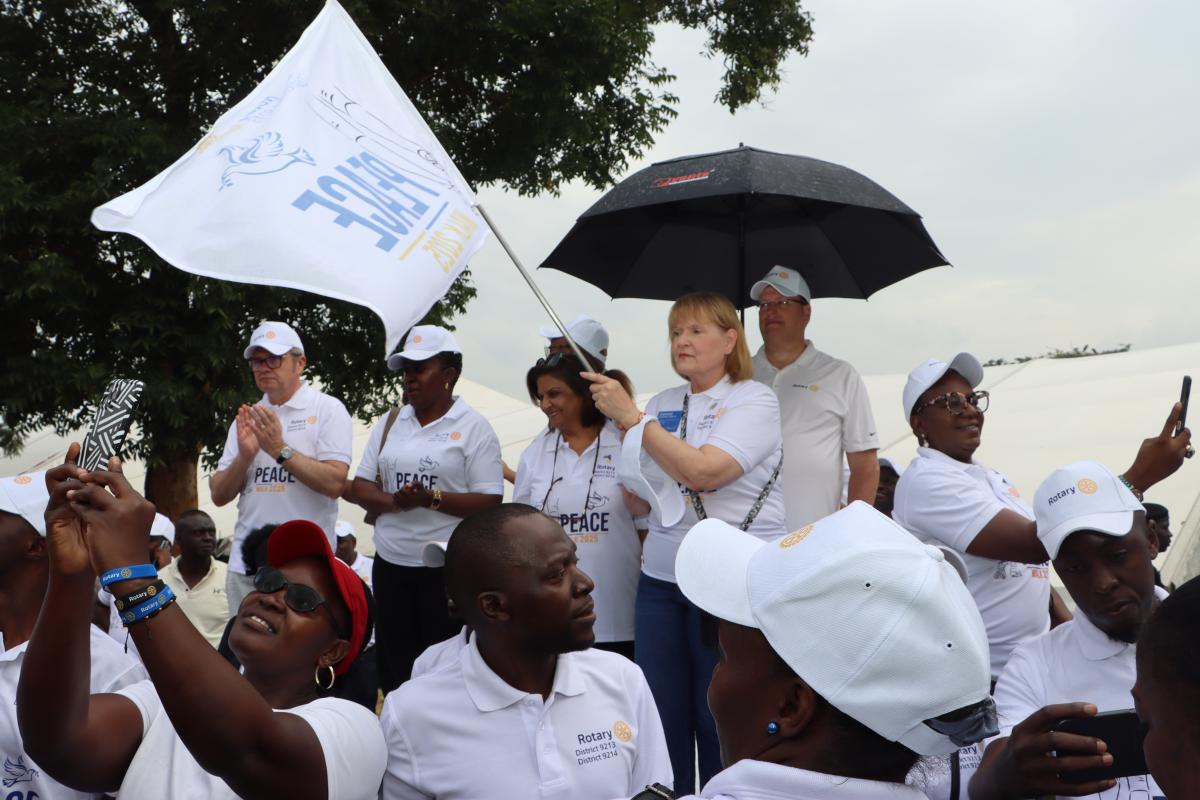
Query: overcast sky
(1053,150)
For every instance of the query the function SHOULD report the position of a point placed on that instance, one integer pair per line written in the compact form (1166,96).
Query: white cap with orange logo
(276,338)
(784,280)
(423,342)
(27,497)
(1083,496)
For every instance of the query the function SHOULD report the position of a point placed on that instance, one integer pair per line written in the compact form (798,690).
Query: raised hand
(118,519)
(247,441)
(612,400)
(1159,456)
(64,529)
(267,429)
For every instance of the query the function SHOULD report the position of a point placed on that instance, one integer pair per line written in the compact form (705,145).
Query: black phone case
(1122,732)
(111,423)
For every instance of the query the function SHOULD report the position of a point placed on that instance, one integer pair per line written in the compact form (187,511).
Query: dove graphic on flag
(324,178)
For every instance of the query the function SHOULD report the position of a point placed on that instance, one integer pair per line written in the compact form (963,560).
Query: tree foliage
(97,96)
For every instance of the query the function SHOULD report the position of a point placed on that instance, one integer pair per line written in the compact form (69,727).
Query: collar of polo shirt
(456,410)
(489,692)
(718,391)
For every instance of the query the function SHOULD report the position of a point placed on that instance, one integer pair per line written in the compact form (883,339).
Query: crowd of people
(724,593)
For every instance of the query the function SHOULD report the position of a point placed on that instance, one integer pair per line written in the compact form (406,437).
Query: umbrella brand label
(689,178)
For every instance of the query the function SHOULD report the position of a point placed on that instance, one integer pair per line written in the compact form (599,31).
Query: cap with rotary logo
(276,338)
(423,342)
(784,280)
(27,497)
(1083,496)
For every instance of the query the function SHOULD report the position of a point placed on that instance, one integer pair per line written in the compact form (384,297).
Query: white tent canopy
(1044,413)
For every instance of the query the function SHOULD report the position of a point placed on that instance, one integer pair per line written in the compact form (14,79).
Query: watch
(284,454)
(436,502)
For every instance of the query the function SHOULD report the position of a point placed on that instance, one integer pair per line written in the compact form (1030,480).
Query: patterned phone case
(111,424)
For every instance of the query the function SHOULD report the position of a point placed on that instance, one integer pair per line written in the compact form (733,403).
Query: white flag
(324,178)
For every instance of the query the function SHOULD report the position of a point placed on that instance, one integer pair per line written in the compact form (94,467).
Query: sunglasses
(552,360)
(956,402)
(298,597)
(270,362)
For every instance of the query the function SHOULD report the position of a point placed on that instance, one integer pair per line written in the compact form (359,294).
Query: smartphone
(1184,394)
(111,424)
(1122,731)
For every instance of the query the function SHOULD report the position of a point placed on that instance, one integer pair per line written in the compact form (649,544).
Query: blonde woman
(718,436)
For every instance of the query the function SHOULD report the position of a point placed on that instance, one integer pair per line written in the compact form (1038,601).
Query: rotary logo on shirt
(595,746)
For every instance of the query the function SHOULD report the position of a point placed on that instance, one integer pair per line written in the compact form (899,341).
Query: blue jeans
(678,667)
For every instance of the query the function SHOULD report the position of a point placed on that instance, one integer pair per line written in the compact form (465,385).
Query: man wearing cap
(826,413)
(1095,531)
(197,578)
(848,651)
(24,574)
(589,334)
(287,456)
(1159,518)
(527,710)
(347,552)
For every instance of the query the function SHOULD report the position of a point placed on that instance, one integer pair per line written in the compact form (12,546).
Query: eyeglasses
(968,725)
(552,360)
(300,598)
(270,362)
(780,304)
(956,402)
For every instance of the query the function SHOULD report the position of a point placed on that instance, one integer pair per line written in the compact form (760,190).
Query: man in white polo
(824,407)
(287,456)
(1097,534)
(527,710)
(24,576)
(197,579)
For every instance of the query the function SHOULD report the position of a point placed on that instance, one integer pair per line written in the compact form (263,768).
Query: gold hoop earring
(317,678)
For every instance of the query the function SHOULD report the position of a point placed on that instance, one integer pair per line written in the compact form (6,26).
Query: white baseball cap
(1083,496)
(433,555)
(642,475)
(587,333)
(423,343)
(276,338)
(930,372)
(877,623)
(162,526)
(786,281)
(343,529)
(27,497)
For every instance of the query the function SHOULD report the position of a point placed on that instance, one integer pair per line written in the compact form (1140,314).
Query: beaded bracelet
(145,593)
(126,573)
(149,608)
(1136,492)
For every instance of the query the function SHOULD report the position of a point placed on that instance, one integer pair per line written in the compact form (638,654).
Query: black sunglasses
(300,598)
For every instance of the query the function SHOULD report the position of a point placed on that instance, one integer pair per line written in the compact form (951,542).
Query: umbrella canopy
(719,221)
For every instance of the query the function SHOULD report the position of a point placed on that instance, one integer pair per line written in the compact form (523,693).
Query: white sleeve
(485,472)
(353,746)
(522,493)
(368,466)
(400,778)
(335,438)
(145,697)
(951,508)
(750,428)
(1019,688)
(858,427)
(652,763)
(231,448)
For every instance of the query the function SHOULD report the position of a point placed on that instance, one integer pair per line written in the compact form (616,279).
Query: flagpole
(536,291)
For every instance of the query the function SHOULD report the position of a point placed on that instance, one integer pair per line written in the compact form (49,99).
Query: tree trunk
(172,486)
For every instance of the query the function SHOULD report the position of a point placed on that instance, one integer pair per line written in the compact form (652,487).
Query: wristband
(145,593)
(149,608)
(126,573)
(623,429)
(1136,492)
(436,502)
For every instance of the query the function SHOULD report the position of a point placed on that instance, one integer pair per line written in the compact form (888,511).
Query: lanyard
(587,498)
(698,504)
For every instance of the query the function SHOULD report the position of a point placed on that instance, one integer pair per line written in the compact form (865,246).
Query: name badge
(670,419)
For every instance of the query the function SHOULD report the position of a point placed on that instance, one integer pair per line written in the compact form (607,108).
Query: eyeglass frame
(767,305)
(266,571)
(971,399)
(265,361)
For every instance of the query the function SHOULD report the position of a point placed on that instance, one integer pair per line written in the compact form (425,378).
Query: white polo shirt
(758,780)
(945,501)
(553,478)
(315,425)
(23,779)
(458,452)
(825,413)
(439,655)
(1075,662)
(205,604)
(741,419)
(350,738)
(462,732)
(362,566)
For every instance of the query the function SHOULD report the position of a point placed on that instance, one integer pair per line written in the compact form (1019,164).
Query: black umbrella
(719,221)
